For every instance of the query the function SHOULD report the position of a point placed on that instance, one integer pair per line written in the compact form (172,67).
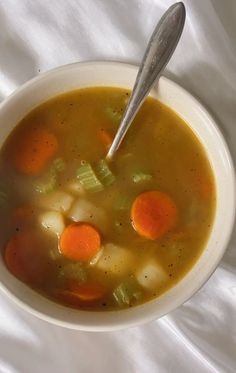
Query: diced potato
(53,222)
(75,188)
(57,201)
(151,275)
(115,260)
(83,210)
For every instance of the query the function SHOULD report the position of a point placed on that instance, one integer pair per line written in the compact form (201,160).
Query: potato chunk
(57,201)
(83,210)
(151,275)
(115,260)
(53,222)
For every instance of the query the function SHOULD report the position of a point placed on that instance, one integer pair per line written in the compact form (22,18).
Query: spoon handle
(159,50)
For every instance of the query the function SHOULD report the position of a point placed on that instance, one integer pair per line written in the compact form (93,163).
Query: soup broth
(102,235)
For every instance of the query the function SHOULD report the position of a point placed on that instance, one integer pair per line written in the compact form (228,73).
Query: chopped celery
(58,165)
(126,292)
(104,173)
(47,183)
(73,271)
(95,180)
(114,115)
(140,177)
(88,178)
(122,203)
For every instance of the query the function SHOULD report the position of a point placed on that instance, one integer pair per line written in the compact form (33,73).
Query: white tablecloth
(36,35)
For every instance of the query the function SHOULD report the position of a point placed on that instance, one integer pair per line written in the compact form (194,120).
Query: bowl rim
(196,103)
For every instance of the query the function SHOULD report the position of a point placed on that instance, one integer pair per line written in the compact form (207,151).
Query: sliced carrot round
(23,258)
(80,241)
(80,294)
(90,291)
(153,214)
(33,150)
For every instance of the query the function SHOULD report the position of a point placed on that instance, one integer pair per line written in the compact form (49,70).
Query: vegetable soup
(101,235)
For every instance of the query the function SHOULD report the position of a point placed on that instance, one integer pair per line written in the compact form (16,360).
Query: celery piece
(88,178)
(73,271)
(114,115)
(140,177)
(47,183)
(104,173)
(126,292)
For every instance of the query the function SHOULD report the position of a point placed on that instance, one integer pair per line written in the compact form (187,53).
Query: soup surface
(103,235)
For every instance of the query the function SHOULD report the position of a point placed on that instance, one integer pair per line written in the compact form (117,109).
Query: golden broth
(159,144)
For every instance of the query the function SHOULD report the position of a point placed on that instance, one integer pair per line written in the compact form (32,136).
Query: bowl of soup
(101,245)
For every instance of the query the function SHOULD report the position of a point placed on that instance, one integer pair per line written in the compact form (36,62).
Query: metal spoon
(159,50)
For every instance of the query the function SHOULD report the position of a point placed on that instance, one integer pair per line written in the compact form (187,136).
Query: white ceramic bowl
(78,75)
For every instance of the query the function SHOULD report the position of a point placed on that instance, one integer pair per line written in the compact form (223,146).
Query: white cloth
(37,35)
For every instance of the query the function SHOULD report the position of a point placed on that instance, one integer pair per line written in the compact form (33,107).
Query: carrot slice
(80,241)
(153,214)
(90,291)
(80,294)
(23,258)
(106,137)
(33,150)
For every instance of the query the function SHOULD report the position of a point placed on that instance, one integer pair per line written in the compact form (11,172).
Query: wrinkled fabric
(37,35)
